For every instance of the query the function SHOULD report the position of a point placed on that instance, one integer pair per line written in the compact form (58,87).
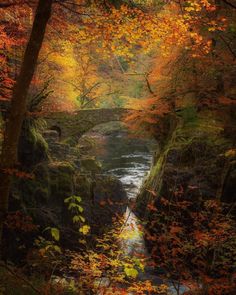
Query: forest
(118,147)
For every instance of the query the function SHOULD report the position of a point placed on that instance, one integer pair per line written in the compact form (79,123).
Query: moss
(90,164)
(85,145)
(83,185)
(39,143)
(189,116)
(33,148)
(144,196)
(191,155)
(72,141)
(153,182)
(61,181)
(63,166)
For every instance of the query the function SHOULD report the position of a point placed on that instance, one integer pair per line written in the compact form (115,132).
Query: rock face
(194,169)
(198,159)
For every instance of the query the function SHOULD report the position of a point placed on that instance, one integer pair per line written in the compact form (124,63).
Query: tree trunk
(8,160)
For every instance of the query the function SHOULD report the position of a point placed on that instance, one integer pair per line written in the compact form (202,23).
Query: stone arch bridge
(75,124)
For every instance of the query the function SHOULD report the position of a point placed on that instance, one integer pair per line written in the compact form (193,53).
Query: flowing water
(130,161)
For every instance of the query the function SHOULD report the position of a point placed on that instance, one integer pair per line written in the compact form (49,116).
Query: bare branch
(8,4)
(63,4)
(71,83)
(148,84)
(228,46)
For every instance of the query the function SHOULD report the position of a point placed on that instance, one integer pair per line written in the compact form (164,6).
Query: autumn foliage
(193,242)
(154,58)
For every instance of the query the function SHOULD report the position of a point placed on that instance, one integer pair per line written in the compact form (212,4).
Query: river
(129,159)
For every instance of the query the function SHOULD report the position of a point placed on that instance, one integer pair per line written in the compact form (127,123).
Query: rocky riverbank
(55,171)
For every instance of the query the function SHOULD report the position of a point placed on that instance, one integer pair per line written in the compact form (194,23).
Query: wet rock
(90,164)
(51,136)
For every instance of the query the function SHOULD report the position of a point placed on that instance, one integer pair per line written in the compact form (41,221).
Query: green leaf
(78,199)
(67,200)
(57,248)
(82,218)
(55,233)
(72,205)
(76,219)
(48,247)
(80,209)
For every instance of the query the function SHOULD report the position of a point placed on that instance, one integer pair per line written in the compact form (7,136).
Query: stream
(129,159)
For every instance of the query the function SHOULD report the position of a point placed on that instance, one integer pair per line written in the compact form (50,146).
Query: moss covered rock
(194,160)
(90,164)
(33,149)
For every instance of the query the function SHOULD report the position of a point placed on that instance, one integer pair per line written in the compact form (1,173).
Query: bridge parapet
(77,123)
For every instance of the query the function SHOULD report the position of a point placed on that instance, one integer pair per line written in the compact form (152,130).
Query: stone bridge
(75,124)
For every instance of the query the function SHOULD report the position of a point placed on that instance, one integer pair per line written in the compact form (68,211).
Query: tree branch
(148,84)
(9,4)
(70,83)
(63,4)
(228,46)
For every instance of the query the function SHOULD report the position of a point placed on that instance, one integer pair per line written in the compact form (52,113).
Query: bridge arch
(75,124)
(57,129)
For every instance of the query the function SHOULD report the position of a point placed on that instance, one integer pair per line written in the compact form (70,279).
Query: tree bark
(8,160)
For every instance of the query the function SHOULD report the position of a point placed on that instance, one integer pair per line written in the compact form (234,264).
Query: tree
(18,104)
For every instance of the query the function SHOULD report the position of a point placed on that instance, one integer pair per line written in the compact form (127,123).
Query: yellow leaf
(85,229)
(131,272)
(230,153)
